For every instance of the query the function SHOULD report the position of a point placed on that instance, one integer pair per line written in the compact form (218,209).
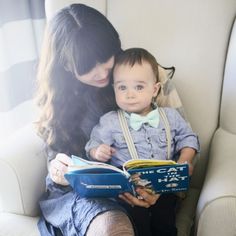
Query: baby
(136,85)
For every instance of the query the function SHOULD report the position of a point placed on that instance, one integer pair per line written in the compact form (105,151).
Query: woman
(74,91)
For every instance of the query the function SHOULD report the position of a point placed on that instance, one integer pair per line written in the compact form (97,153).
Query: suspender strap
(129,139)
(127,135)
(167,129)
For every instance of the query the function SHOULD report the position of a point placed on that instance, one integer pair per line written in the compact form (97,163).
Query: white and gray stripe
(21,29)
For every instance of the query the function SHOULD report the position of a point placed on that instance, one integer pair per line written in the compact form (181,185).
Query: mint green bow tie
(152,118)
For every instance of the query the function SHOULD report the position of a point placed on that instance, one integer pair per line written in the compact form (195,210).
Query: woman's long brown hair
(76,39)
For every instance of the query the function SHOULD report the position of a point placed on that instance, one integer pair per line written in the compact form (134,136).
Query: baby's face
(135,87)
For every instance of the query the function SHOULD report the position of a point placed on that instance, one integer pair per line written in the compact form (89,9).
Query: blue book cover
(96,179)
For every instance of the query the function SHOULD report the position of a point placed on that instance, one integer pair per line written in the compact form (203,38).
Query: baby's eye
(139,87)
(121,87)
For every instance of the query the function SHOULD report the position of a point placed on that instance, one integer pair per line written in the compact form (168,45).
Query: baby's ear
(157,87)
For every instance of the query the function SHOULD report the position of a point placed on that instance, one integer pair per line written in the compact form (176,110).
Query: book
(97,179)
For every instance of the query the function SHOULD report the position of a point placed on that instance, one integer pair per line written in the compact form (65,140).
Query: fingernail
(138,190)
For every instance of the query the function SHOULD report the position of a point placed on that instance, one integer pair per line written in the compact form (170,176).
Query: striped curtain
(21,29)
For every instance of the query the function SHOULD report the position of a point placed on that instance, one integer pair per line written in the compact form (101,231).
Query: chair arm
(22,172)
(216,211)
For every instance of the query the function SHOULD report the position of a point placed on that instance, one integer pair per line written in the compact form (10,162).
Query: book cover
(97,179)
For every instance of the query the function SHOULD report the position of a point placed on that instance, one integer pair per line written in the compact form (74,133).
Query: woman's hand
(58,167)
(145,200)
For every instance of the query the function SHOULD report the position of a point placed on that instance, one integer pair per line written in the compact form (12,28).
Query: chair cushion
(168,96)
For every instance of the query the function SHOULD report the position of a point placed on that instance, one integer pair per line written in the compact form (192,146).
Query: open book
(97,179)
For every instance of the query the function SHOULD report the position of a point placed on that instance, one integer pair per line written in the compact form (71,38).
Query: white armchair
(22,172)
(193,36)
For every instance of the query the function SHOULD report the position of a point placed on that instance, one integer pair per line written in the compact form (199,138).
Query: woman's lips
(102,81)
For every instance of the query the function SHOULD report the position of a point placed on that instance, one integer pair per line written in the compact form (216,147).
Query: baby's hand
(190,168)
(102,153)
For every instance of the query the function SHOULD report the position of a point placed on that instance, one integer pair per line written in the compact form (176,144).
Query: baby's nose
(130,93)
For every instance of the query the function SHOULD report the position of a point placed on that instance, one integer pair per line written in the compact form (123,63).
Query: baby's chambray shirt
(150,142)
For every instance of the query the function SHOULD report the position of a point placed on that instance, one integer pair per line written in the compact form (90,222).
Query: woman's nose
(103,72)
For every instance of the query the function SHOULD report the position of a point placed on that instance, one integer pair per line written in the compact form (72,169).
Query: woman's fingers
(64,159)
(144,199)
(126,199)
(58,167)
(134,201)
(147,197)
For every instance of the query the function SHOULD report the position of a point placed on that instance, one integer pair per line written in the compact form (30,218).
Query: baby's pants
(158,219)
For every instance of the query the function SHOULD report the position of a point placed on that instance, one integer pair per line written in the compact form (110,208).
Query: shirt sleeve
(183,134)
(101,133)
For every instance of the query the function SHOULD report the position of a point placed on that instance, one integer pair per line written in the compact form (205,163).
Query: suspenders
(128,137)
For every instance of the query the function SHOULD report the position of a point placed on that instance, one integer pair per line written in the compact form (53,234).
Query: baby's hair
(132,56)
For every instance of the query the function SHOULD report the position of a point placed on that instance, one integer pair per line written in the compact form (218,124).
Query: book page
(143,163)
(82,164)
